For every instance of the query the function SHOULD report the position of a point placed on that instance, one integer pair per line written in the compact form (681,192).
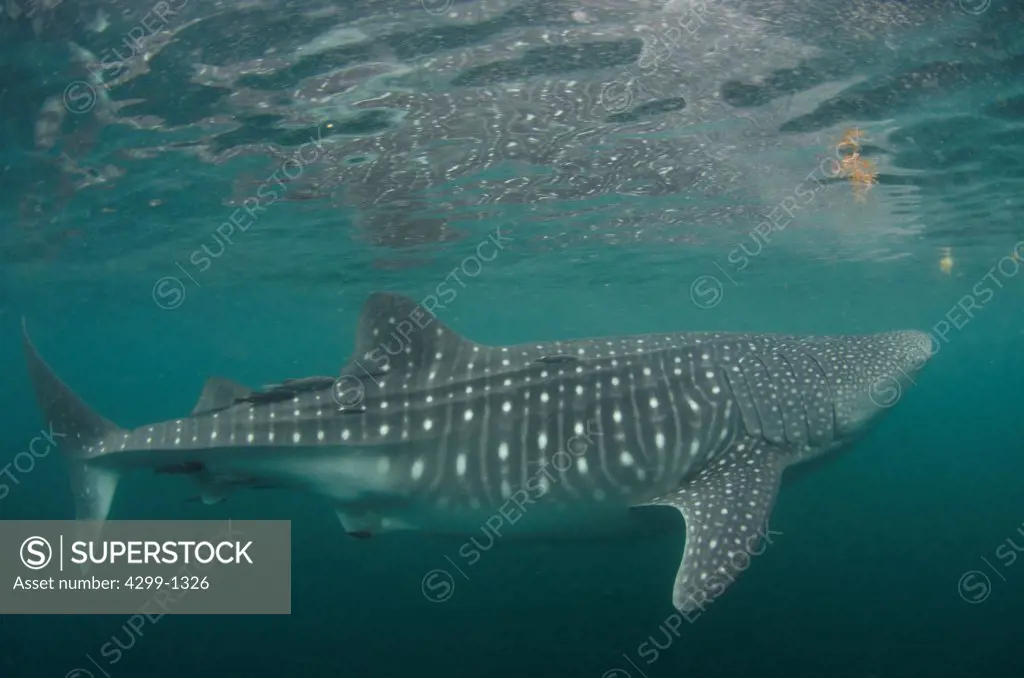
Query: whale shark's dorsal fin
(219,393)
(726,509)
(396,333)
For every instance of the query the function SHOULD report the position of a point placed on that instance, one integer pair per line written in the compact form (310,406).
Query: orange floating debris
(860,171)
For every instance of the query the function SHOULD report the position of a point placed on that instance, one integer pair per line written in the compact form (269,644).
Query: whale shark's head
(871,373)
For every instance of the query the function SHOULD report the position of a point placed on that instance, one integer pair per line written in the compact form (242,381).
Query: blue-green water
(892,560)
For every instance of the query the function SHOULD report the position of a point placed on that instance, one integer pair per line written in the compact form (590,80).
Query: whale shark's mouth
(878,377)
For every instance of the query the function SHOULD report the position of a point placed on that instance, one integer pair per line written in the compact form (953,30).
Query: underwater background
(650,167)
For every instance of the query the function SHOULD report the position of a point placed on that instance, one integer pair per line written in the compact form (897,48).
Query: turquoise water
(895,559)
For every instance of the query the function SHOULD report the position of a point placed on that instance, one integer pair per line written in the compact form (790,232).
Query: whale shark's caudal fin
(78,430)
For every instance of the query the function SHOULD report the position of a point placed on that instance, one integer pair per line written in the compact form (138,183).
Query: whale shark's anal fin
(363,522)
(726,509)
(211,490)
(358,524)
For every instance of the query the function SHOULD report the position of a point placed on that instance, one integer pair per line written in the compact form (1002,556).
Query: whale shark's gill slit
(797,373)
(705,413)
(814,394)
(827,383)
(740,388)
(764,397)
(797,429)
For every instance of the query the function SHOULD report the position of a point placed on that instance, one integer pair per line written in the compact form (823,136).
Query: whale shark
(425,429)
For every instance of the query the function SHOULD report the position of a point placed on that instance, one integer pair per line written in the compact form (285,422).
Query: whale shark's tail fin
(79,433)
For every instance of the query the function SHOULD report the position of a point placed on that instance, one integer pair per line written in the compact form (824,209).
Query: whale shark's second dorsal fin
(219,393)
(395,333)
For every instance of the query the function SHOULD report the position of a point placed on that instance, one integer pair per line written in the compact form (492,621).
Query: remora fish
(427,430)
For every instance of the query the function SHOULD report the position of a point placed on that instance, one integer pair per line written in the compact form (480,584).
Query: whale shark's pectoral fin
(726,509)
(219,393)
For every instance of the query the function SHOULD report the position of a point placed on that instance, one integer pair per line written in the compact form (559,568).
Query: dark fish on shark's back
(448,430)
